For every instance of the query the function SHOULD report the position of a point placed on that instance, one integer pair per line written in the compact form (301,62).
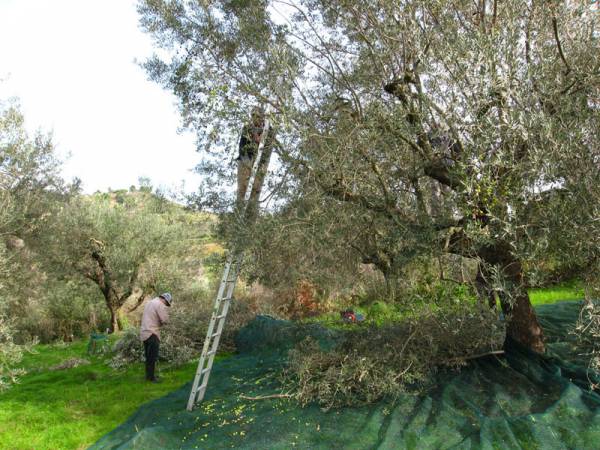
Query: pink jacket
(156,314)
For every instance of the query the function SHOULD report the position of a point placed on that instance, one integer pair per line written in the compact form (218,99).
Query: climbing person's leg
(243,176)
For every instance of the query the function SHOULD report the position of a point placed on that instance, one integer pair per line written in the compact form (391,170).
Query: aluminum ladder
(224,294)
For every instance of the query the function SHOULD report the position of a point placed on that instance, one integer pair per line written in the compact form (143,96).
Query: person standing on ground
(248,150)
(156,314)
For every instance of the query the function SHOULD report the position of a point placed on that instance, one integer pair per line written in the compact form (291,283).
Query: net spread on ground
(520,401)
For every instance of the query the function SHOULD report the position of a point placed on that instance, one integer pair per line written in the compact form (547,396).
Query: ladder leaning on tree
(224,293)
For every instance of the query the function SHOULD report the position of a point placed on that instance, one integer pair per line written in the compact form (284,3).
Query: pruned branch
(138,302)
(559,46)
(480,355)
(265,397)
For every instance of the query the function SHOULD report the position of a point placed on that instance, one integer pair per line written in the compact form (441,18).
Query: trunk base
(523,326)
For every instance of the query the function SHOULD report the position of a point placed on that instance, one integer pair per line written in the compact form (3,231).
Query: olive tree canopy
(436,126)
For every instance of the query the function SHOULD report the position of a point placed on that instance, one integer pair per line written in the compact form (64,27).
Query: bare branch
(559,46)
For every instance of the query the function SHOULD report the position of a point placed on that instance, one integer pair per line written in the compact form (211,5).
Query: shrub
(174,349)
(381,312)
(190,318)
(373,362)
(127,350)
(10,355)
(59,311)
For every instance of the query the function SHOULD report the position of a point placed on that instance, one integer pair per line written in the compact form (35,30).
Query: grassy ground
(72,408)
(381,312)
(553,294)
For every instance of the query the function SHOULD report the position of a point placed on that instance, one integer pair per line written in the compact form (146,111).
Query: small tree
(111,244)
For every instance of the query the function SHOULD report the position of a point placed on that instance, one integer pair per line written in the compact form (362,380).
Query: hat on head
(168,298)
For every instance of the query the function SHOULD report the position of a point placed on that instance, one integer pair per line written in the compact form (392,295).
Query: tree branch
(439,172)
(265,397)
(138,302)
(559,46)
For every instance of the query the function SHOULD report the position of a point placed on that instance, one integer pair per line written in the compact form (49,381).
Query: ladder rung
(212,352)
(198,389)
(220,316)
(205,370)
(218,333)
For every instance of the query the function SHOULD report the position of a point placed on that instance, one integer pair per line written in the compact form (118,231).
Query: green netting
(520,401)
(98,343)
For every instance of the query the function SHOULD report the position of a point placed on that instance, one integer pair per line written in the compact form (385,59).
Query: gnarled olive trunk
(523,325)
(111,304)
(522,322)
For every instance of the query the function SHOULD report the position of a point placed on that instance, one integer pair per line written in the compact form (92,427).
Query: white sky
(71,64)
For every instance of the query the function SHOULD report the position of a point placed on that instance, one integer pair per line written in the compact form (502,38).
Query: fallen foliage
(378,362)
(587,331)
(70,363)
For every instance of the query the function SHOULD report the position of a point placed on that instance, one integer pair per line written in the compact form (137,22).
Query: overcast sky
(72,65)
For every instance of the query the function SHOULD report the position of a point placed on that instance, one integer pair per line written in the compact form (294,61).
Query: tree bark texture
(523,325)
(114,322)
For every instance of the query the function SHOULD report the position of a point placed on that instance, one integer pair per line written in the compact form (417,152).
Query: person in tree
(156,314)
(248,150)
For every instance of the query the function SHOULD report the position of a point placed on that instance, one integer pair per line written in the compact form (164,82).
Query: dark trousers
(151,353)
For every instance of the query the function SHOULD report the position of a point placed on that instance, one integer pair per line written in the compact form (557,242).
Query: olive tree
(463,127)
(30,186)
(117,243)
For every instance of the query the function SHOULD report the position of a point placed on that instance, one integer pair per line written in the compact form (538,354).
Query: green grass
(557,293)
(72,408)
(381,312)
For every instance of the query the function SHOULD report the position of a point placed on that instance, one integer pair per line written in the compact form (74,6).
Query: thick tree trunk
(114,311)
(523,325)
(114,319)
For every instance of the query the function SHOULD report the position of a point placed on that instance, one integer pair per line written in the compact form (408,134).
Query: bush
(127,350)
(59,311)
(10,355)
(438,294)
(190,317)
(175,350)
(372,363)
